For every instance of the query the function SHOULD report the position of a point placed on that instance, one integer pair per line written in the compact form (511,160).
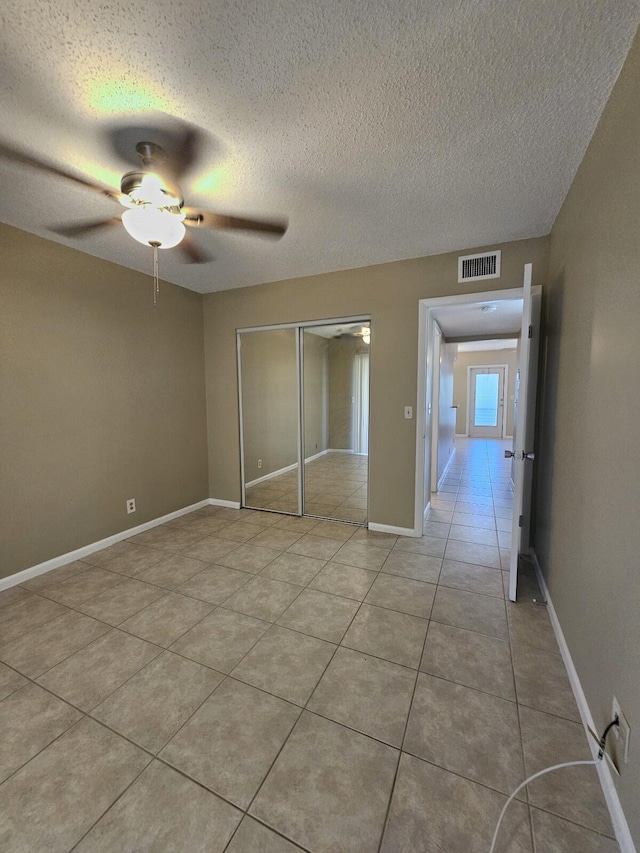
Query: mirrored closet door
(268,362)
(304,395)
(335,394)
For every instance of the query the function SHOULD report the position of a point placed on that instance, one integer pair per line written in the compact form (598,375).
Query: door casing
(425,374)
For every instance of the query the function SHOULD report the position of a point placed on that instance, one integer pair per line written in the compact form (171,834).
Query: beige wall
(389,293)
(461,378)
(588,536)
(316,394)
(269,401)
(342,353)
(101,399)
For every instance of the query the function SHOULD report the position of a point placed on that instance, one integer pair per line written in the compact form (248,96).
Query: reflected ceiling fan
(155,213)
(357,330)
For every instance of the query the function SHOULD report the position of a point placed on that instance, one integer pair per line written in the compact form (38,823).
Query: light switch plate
(408,412)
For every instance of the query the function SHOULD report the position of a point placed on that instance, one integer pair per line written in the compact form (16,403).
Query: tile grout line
(404,733)
(225,676)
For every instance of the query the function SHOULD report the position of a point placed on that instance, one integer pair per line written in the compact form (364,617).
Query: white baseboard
(79,553)
(316,456)
(272,475)
(618,819)
(397,531)
(462,435)
(446,468)
(220,502)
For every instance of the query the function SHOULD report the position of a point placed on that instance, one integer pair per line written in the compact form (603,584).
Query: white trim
(79,553)
(304,324)
(220,502)
(424,336)
(446,468)
(295,465)
(316,456)
(466,435)
(240,417)
(618,819)
(389,528)
(465,298)
(301,425)
(273,474)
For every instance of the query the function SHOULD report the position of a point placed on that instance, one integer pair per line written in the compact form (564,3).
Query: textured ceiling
(457,321)
(489,346)
(383,129)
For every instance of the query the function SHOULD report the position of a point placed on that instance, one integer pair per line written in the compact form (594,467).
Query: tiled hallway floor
(245,681)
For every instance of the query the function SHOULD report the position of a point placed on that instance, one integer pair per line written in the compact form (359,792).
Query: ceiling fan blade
(17,156)
(80,229)
(208,219)
(193,254)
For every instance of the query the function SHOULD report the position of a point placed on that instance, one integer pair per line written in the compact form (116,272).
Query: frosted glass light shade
(149,225)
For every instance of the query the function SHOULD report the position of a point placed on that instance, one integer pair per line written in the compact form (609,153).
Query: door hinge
(530,331)
(521,521)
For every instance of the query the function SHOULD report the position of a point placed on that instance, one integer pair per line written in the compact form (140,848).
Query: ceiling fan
(155,213)
(356,331)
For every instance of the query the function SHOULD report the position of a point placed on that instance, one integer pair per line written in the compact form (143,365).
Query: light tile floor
(246,681)
(335,487)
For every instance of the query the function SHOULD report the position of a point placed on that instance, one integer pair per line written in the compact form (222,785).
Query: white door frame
(424,398)
(505,384)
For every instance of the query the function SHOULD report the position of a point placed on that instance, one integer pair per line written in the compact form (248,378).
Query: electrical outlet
(131,506)
(621,735)
(259,463)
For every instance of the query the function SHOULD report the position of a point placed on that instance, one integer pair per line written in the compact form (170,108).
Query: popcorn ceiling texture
(383,129)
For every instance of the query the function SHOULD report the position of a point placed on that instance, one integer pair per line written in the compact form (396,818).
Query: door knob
(508,454)
(529,456)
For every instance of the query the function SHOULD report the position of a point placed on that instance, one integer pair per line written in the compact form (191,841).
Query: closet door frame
(305,324)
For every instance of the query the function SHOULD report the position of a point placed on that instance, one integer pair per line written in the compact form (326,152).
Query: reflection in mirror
(269,381)
(336,420)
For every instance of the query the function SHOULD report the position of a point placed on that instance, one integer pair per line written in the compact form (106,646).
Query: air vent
(477,267)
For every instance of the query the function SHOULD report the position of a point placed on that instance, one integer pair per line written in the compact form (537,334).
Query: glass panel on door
(336,420)
(486,392)
(268,362)
(485,412)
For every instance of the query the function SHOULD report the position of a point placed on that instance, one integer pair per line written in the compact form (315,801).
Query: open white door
(524,432)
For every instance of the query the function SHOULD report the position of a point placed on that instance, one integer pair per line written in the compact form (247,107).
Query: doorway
(459,317)
(486,405)
(304,418)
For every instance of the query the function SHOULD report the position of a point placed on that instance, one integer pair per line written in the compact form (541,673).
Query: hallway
(245,681)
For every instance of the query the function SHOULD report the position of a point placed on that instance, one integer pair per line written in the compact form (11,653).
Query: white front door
(524,431)
(486,401)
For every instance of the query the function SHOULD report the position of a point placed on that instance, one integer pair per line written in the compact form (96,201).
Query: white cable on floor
(526,782)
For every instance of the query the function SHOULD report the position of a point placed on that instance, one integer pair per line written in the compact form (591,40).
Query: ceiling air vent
(477,267)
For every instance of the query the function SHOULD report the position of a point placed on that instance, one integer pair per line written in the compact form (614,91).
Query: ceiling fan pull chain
(156,283)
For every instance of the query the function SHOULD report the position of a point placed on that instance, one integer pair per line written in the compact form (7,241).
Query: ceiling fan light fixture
(153,190)
(149,225)
(366,336)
